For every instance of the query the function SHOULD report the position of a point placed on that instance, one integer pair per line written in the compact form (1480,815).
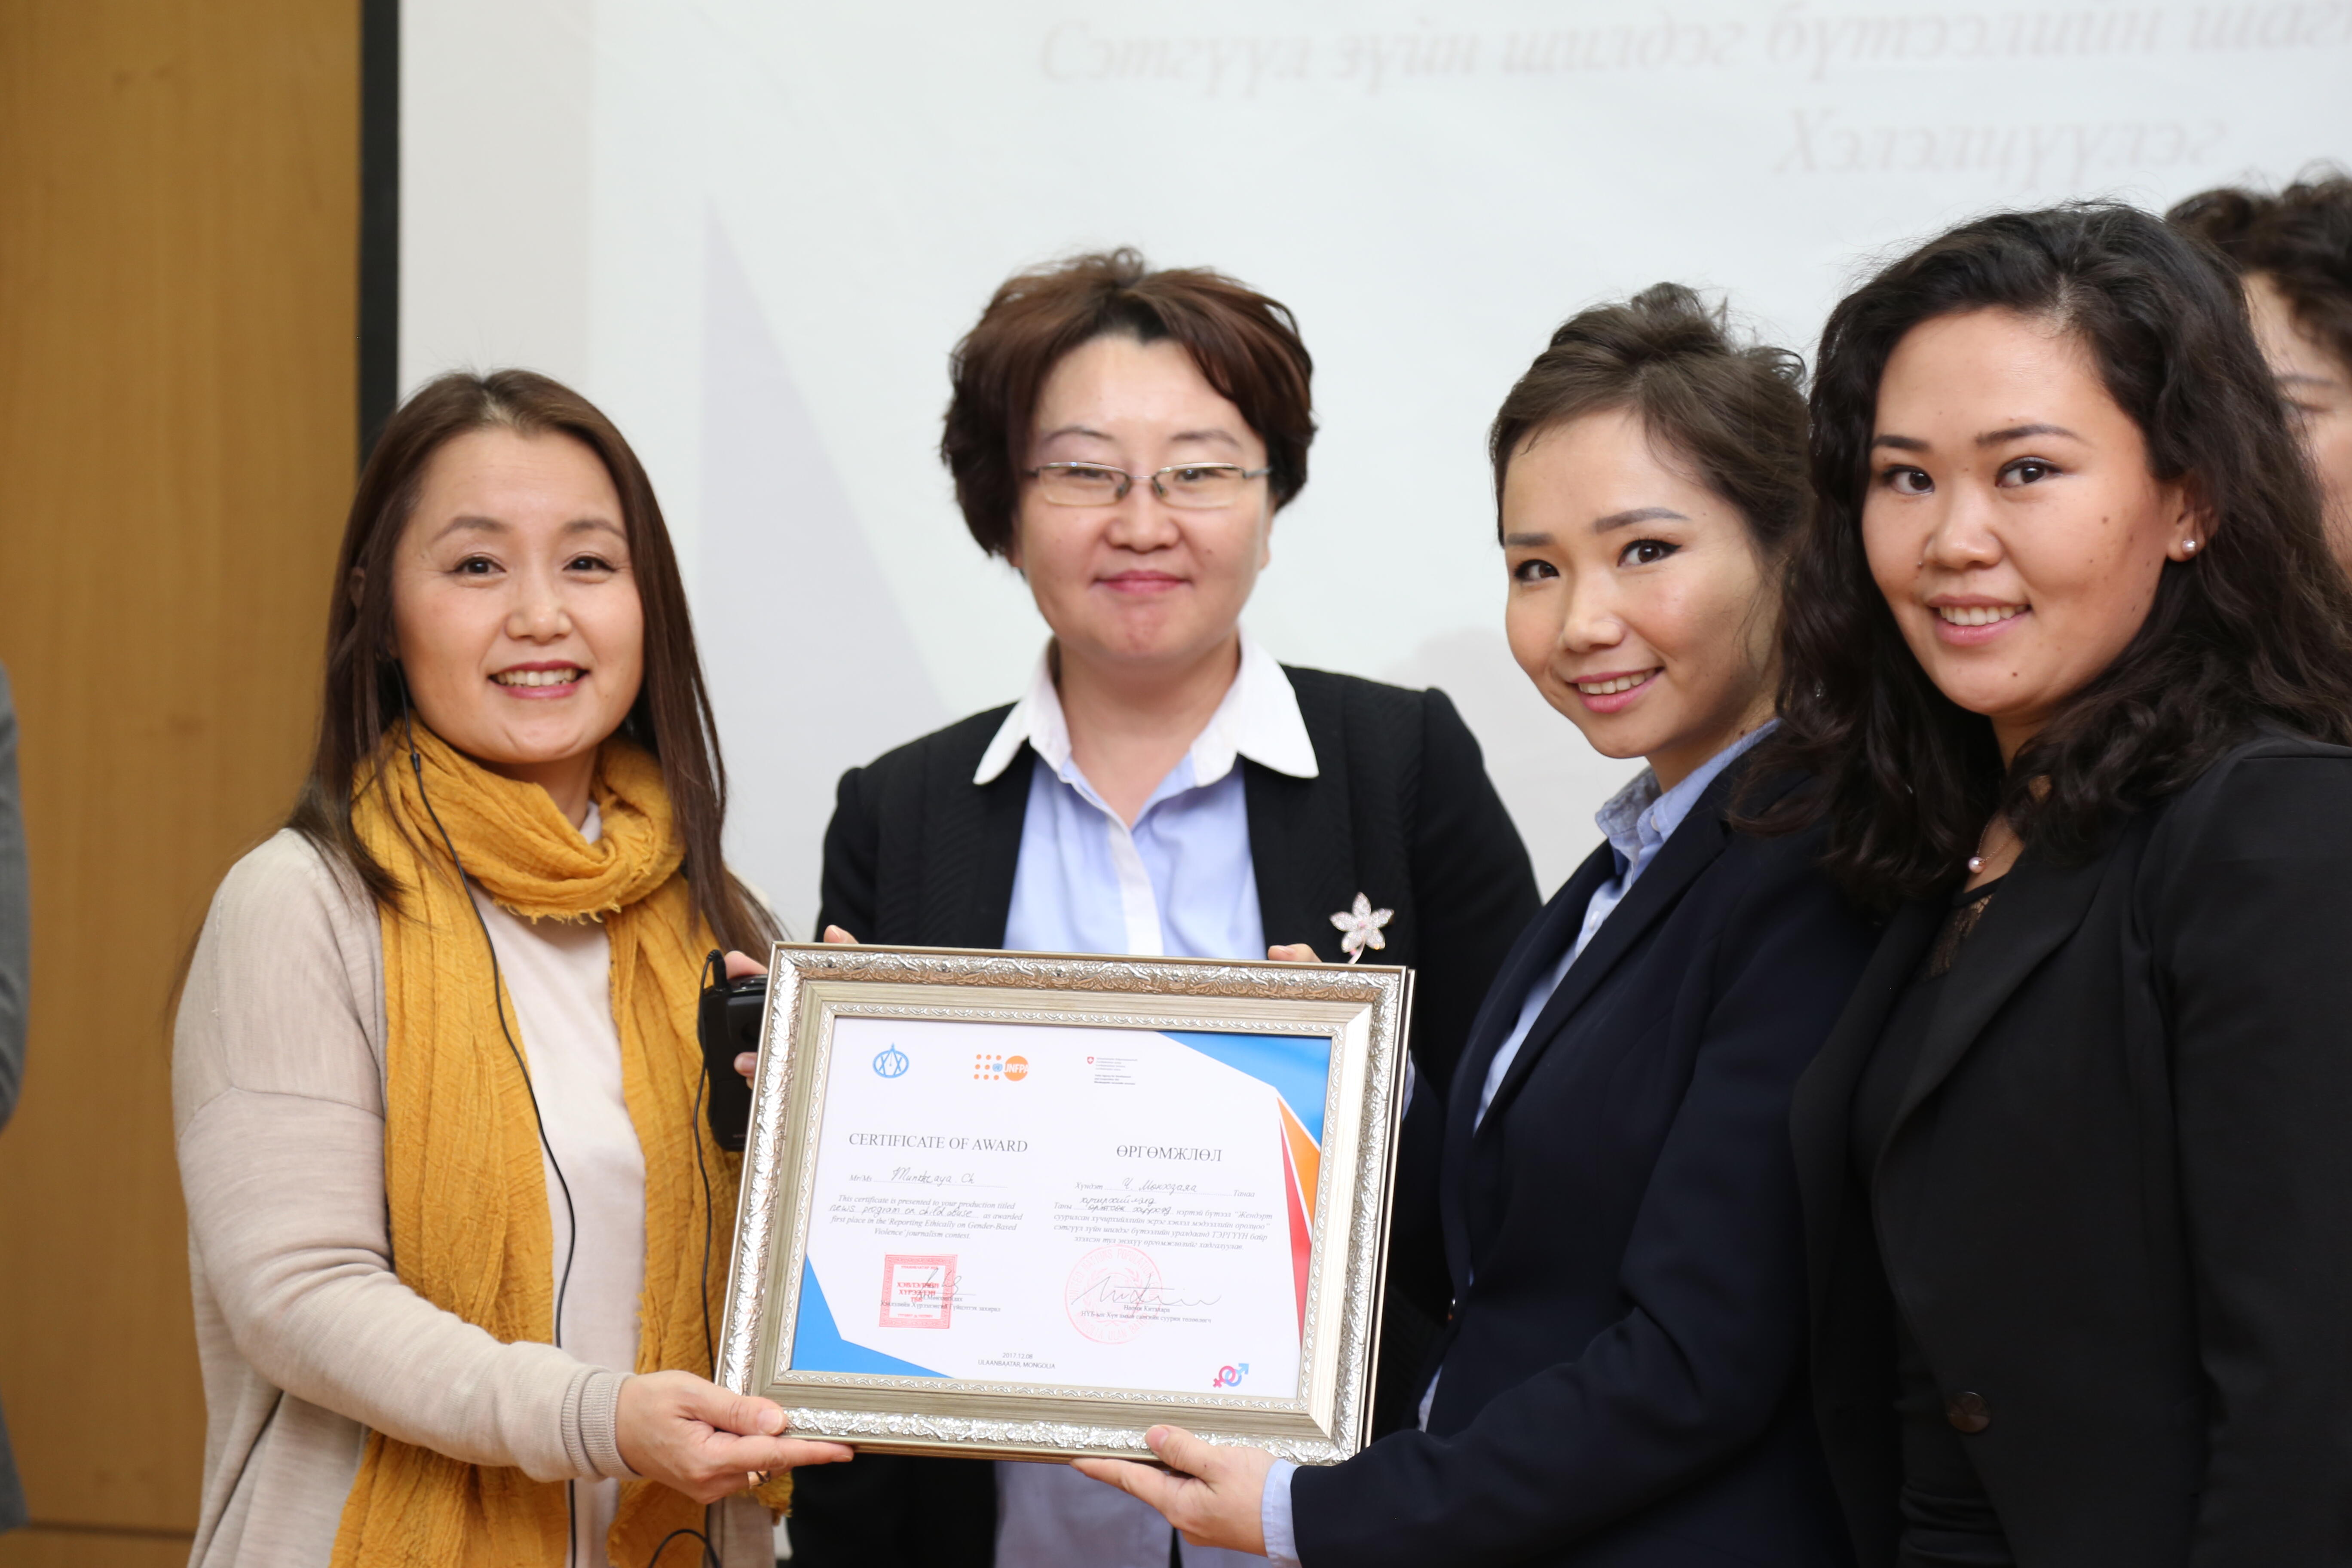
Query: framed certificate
(1024,1205)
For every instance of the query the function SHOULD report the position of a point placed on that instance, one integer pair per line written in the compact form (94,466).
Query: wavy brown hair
(1245,345)
(1732,412)
(365,695)
(2251,631)
(2301,239)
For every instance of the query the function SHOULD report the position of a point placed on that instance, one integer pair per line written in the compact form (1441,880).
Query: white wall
(750,230)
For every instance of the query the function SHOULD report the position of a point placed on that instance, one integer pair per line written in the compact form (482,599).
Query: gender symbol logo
(1229,1377)
(890,1062)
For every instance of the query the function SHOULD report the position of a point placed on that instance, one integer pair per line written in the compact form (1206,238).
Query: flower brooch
(1359,928)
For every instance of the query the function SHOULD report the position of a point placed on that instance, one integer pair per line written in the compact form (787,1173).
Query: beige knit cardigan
(306,1336)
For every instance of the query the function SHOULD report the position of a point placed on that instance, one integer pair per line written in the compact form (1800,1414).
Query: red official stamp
(1112,1293)
(918,1289)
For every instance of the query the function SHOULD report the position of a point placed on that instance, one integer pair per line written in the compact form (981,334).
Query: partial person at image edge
(2295,252)
(16,982)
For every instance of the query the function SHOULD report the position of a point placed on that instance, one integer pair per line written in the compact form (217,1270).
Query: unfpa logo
(998,1070)
(890,1062)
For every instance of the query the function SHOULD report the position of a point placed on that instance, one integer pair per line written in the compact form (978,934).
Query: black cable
(498,1001)
(715,964)
(709,1552)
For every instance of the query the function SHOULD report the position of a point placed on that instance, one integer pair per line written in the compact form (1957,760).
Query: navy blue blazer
(1623,1371)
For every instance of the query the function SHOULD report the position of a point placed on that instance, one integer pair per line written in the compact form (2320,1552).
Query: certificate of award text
(1121,1208)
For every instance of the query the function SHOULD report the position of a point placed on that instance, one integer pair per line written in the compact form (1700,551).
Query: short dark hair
(1734,412)
(2300,238)
(1245,345)
(2252,630)
(364,695)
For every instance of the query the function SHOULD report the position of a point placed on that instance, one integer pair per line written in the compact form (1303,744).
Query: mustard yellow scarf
(470,1227)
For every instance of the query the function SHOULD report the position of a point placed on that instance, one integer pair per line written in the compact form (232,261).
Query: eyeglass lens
(1196,488)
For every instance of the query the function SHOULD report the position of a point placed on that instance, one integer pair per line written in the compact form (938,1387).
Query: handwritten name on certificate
(1095,1207)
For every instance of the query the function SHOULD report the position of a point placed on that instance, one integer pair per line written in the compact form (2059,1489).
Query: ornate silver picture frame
(1028,1205)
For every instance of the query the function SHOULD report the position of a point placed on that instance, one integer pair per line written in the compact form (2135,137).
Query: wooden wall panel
(178,217)
(49,1548)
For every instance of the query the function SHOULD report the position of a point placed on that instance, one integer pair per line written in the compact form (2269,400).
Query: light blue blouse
(1180,883)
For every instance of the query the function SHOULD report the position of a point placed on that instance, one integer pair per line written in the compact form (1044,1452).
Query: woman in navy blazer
(1621,1379)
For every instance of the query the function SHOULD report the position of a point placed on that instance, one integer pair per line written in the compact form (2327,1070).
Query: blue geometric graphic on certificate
(1298,1066)
(817,1345)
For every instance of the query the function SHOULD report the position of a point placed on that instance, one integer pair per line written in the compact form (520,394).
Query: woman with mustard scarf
(458,1232)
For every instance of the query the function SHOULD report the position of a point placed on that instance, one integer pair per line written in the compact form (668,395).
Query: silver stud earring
(2189,547)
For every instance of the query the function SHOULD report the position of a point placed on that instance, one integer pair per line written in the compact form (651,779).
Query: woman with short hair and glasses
(1124,438)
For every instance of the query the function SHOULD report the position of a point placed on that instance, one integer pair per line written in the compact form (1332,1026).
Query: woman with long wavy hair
(2068,655)
(455,1222)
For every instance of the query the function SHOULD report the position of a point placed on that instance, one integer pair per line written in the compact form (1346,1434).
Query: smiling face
(514,611)
(2317,387)
(2011,518)
(1637,599)
(1139,583)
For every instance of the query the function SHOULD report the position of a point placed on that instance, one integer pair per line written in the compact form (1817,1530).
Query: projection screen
(750,230)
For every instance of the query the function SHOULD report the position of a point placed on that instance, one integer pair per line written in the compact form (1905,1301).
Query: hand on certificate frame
(740,964)
(697,1439)
(1214,1498)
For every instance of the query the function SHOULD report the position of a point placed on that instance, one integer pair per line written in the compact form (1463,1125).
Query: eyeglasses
(1194,486)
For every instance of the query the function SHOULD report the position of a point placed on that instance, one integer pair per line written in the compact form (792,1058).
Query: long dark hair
(364,691)
(2253,629)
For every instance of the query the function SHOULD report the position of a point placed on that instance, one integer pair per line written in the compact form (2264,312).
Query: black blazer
(1400,810)
(2117,1201)
(1622,1382)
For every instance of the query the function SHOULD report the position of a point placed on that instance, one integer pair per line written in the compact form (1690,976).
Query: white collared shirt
(1180,883)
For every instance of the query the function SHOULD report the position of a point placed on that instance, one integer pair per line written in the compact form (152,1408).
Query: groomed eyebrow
(1990,439)
(1615,519)
(1637,514)
(1212,434)
(1073,430)
(470,524)
(2020,432)
(473,525)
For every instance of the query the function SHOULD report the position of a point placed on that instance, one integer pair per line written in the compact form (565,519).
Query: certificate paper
(1120,1208)
(1029,1205)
